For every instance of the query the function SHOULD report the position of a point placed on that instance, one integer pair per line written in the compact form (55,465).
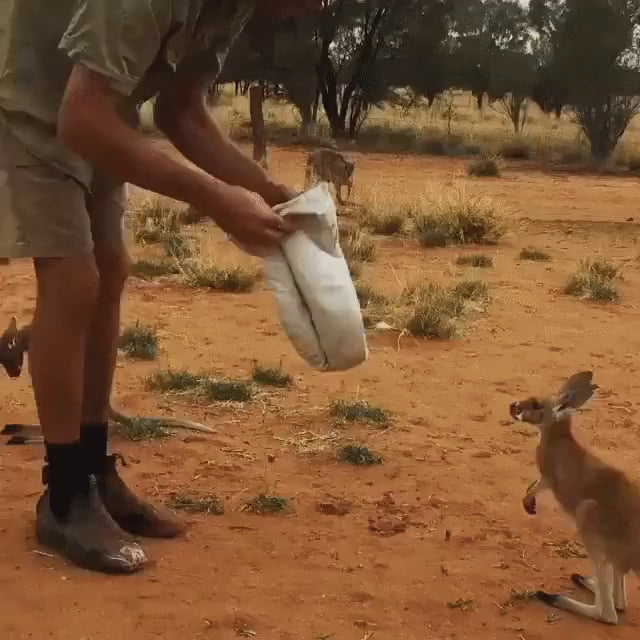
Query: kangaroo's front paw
(529,504)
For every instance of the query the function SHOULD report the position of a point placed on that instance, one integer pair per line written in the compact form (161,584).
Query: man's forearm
(89,125)
(194,133)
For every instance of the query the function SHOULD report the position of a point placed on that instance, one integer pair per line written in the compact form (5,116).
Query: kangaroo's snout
(515,411)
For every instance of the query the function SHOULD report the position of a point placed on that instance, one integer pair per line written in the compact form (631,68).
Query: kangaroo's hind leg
(588,583)
(603,610)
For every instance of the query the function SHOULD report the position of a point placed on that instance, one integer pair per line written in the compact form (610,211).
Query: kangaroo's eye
(535,405)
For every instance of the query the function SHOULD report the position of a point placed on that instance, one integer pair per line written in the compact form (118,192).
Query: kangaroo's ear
(576,391)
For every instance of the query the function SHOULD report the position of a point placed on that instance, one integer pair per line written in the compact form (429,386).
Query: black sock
(66,475)
(94,446)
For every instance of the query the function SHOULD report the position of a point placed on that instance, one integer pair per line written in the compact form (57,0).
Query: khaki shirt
(137,44)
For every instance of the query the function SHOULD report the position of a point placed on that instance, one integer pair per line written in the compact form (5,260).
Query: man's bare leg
(132,514)
(70,515)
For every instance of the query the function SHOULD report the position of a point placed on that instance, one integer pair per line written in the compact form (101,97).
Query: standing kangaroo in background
(604,503)
(330,166)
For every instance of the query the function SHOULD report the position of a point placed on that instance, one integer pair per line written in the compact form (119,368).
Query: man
(71,78)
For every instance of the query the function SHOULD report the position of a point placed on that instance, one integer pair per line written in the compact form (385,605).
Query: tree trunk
(256,100)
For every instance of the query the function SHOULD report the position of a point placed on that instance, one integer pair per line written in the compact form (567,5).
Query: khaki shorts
(44,213)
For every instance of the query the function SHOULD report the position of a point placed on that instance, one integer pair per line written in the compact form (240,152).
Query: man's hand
(246,217)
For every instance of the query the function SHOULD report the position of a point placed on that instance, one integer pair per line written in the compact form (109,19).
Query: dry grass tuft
(223,390)
(534,255)
(207,504)
(271,376)
(357,246)
(458,218)
(594,281)
(149,269)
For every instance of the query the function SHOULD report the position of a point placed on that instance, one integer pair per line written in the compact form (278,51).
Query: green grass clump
(359,455)
(263,504)
(533,254)
(140,343)
(141,429)
(228,390)
(359,412)
(480,261)
(455,218)
(594,281)
(271,376)
(166,381)
(149,269)
(232,279)
(207,504)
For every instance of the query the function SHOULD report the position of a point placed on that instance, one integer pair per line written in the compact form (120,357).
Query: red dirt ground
(455,466)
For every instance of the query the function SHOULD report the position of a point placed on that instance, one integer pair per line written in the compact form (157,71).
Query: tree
(484,30)
(355,37)
(296,58)
(592,45)
(511,82)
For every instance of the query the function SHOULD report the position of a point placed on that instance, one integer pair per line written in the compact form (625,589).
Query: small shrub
(386,223)
(359,412)
(634,164)
(208,504)
(432,238)
(228,390)
(140,343)
(574,155)
(149,269)
(166,381)
(471,290)
(594,281)
(177,246)
(149,235)
(483,168)
(273,377)
(479,261)
(533,254)
(263,504)
(516,150)
(153,221)
(357,245)
(461,219)
(433,311)
(231,279)
(359,455)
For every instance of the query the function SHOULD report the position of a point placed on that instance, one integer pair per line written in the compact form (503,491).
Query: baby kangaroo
(604,503)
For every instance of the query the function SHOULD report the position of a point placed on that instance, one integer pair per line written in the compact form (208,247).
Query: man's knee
(113,266)
(70,283)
